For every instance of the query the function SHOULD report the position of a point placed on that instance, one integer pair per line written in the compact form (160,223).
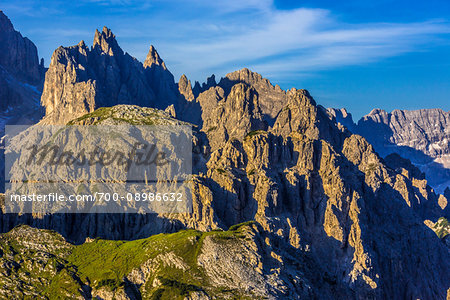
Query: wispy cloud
(200,37)
(282,43)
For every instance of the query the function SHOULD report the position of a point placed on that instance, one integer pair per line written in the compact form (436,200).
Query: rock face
(272,98)
(20,71)
(80,79)
(21,78)
(18,55)
(185,88)
(422,136)
(425,130)
(160,79)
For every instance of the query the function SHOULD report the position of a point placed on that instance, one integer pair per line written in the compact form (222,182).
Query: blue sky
(355,54)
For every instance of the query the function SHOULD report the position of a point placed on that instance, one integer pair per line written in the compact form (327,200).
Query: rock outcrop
(185,88)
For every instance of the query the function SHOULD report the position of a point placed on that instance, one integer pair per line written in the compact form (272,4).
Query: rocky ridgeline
(332,219)
(240,263)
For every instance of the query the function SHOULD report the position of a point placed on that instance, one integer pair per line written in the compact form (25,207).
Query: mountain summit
(80,79)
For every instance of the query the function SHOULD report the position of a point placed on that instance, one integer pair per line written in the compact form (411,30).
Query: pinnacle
(153,58)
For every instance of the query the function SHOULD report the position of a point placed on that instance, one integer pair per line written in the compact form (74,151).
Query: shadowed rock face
(422,136)
(18,55)
(21,78)
(20,71)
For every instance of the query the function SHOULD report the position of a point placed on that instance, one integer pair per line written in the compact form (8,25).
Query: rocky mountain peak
(82,44)
(329,217)
(106,42)
(80,79)
(153,58)
(210,82)
(197,89)
(272,98)
(18,55)
(377,111)
(244,75)
(422,136)
(183,79)
(5,23)
(185,88)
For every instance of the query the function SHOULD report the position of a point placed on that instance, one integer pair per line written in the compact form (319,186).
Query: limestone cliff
(18,55)
(20,71)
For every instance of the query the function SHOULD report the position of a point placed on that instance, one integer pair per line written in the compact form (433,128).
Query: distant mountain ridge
(422,136)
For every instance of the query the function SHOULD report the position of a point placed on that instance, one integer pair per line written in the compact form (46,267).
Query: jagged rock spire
(106,41)
(185,88)
(210,82)
(197,89)
(153,58)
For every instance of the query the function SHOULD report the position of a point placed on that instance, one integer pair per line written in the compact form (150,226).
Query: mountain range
(290,200)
